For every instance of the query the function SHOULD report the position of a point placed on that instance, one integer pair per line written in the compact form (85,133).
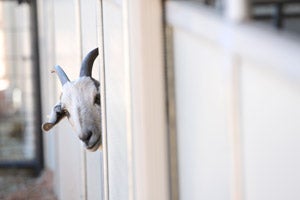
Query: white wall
(202,139)
(68,30)
(235,100)
(270,114)
(89,40)
(131,166)
(115,100)
(237,96)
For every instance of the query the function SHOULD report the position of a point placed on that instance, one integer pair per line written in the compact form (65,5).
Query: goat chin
(94,147)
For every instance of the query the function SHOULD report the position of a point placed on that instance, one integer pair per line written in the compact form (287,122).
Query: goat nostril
(86,137)
(89,135)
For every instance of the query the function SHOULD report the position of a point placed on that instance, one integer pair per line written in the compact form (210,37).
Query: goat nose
(86,136)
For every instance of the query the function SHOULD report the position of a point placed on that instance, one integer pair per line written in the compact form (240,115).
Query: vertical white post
(232,88)
(148,114)
(237,10)
(128,100)
(103,99)
(83,153)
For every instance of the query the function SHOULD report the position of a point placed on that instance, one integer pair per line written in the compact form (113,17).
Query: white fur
(78,99)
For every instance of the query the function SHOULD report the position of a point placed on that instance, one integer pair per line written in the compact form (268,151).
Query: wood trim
(171,114)
(236,36)
(232,93)
(128,93)
(149,131)
(237,10)
(103,99)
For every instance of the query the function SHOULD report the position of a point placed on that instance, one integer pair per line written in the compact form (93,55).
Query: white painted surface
(93,161)
(65,38)
(147,86)
(71,183)
(261,109)
(115,101)
(47,55)
(261,74)
(270,131)
(237,10)
(203,148)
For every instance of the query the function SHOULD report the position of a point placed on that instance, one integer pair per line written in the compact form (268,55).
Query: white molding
(128,98)
(148,117)
(103,99)
(237,10)
(261,43)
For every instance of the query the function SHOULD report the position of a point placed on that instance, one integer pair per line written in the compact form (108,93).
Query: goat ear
(56,116)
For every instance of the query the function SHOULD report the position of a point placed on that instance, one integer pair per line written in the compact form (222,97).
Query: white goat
(80,103)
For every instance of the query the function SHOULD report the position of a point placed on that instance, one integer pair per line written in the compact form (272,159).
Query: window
(19,92)
(279,13)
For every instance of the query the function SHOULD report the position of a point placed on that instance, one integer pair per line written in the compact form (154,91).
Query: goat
(80,103)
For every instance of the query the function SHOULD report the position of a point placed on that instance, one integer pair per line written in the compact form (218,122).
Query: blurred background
(18,91)
(20,140)
(200,99)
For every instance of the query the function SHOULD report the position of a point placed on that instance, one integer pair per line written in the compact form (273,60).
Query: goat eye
(97,99)
(65,111)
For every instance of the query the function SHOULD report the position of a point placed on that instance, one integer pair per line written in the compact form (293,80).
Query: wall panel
(257,70)
(115,101)
(270,116)
(89,41)
(202,137)
(67,54)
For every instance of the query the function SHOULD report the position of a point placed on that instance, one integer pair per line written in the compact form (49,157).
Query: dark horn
(61,75)
(87,63)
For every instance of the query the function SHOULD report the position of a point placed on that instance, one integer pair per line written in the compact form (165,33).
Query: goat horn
(87,63)
(61,75)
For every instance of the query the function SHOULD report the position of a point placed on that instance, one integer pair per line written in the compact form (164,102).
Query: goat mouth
(95,146)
